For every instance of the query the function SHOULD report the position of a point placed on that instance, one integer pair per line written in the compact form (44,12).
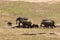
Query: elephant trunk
(16,21)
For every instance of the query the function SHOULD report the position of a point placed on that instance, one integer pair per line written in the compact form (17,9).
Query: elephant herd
(24,23)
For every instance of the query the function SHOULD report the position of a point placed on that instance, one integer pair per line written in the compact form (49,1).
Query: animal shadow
(52,33)
(41,33)
(28,34)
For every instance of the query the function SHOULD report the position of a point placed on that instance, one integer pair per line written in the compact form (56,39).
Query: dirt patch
(35,0)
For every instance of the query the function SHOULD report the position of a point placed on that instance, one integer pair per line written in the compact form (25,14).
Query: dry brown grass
(26,34)
(9,11)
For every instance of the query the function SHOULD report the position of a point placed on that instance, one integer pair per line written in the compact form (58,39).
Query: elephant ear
(18,19)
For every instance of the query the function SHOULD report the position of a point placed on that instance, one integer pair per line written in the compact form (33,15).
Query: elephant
(27,24)
(48,23)
(34,26)
(20,20)
(9,23)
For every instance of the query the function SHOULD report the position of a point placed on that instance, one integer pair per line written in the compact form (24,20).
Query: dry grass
(26,34)
(9,11)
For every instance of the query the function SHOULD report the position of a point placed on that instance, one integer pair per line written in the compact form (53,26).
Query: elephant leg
(52,27)
(47,26)
(29,26)
(41,25)
(37,26)
(44,26)
(25,26)
(19,24)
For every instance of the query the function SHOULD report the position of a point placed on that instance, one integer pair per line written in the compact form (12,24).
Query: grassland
(9,11)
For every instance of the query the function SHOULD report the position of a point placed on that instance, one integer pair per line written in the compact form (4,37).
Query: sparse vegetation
(9,11)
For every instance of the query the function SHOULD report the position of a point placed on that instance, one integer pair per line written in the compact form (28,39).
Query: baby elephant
(34,26)
(9,23)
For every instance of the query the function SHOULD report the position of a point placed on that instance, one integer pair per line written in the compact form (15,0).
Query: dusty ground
(8,33)
(29,34)
(35,0)
(9,13)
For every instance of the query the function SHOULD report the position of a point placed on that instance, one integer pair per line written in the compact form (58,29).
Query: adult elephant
(20,20)
(48,23)
(27,24)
